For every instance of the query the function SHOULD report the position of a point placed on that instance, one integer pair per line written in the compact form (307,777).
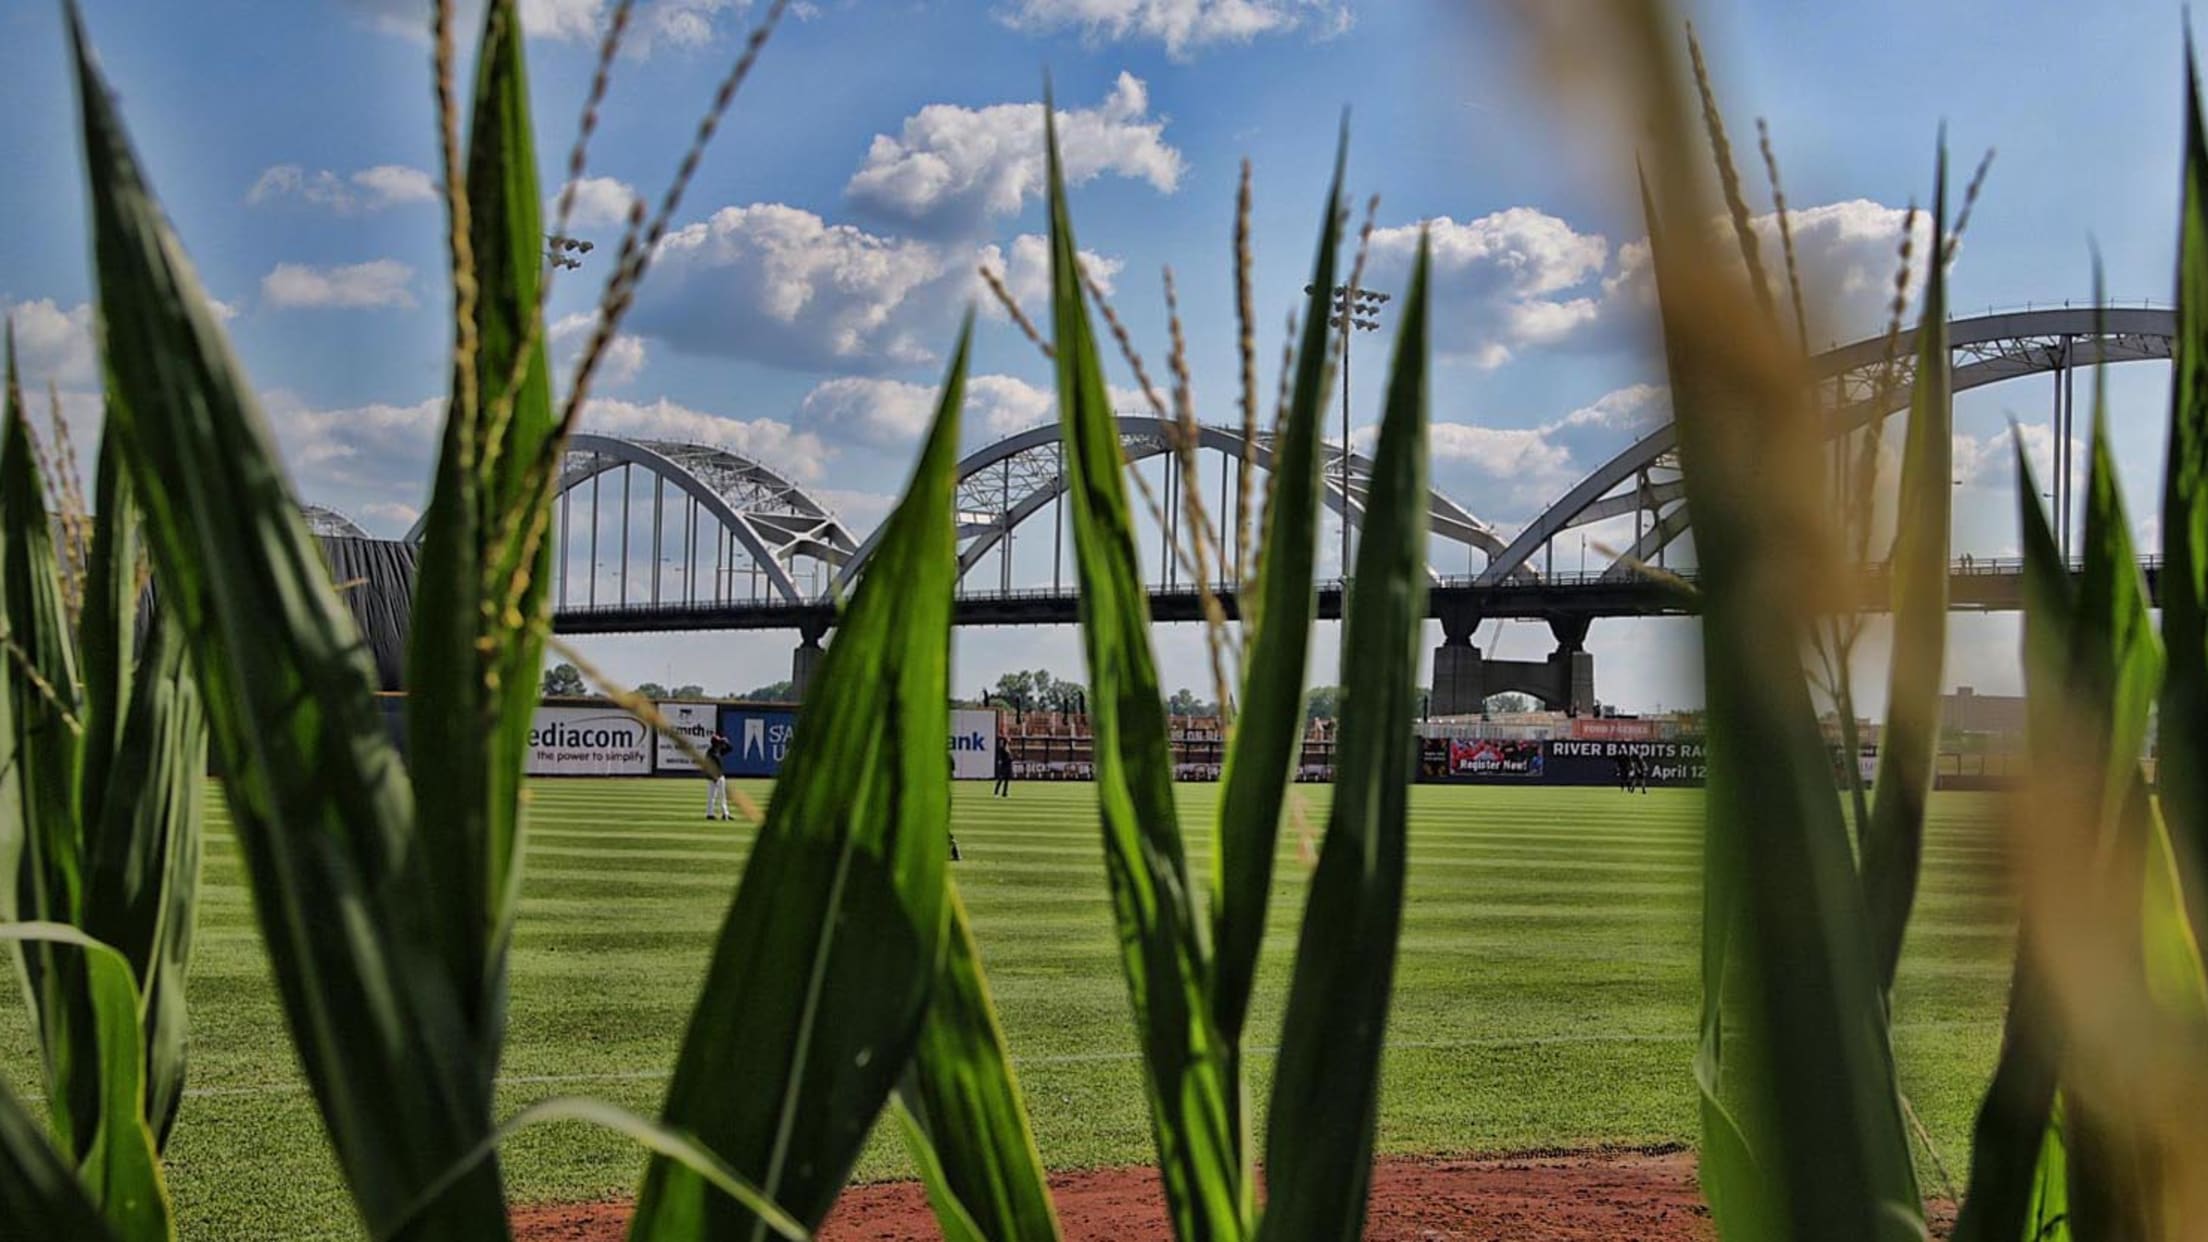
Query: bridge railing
(1592,579)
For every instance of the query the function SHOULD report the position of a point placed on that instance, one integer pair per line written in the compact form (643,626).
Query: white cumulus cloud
(1025,271)
(371,189)
(799,454)
(780,285)
(952,168)
(377,283)
(1181,25)
(52,342)
(657,24)
(893,413)
(1847,253)
(1505,281)
(599,202)
(621,363)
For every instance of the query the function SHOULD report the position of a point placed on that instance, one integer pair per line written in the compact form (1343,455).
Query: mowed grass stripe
(1546,989)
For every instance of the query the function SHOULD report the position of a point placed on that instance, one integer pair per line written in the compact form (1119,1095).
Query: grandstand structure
(662,536)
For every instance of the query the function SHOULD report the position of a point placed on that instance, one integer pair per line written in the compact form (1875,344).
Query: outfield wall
(581,737)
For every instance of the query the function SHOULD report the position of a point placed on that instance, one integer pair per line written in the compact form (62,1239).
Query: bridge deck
(1973,586)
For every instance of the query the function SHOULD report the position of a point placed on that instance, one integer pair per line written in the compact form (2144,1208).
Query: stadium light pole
(1354,310)
(561,250)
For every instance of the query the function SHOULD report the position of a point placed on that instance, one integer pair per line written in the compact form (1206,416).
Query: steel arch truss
(327,523)
(1004,484)
(1858,383)
(771,518)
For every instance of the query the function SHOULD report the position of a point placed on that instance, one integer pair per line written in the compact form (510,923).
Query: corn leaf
(1162,941)
(107,635)
(1737,1187)
(142,864)
(1893,842)
(2114,671)
(2184,719)
(117,1167)
(2015,1120)
(1326,1087)
(474,669)
(1836,1153)
(322,807)
(823,971)
(965,1119)
(643,1131)
(39,1193)
(2115,659)
(1268,734)
(39,670)
(951,1217)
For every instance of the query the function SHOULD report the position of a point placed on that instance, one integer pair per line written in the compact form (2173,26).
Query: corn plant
(1803,1124)
(105,747)
(1189,979)
(2091,1127)
(384,894)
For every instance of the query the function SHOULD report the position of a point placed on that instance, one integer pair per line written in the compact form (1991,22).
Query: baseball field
(1546,997)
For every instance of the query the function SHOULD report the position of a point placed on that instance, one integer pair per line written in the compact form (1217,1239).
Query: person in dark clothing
(947,832)
(1625,773)
(1004,770)
(716,791)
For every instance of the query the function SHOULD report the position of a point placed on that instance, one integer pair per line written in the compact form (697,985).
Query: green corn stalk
(823,972)
(1834,1162)
(1283,599)
(1326,1088)
(39,1193)
(1191,992)
(1893,840)
(387,931)
(483,661)
(324,811)
(2112,672)
(965,1121)
(1163,941)
(99,832)
(2004,1200)
(2184,785)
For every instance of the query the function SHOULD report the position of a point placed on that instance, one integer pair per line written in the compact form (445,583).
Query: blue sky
(883,148)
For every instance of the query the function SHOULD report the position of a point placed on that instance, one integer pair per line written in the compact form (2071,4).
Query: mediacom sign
(973,745)
(588,741)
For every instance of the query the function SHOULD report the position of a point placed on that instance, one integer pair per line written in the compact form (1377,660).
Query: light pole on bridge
(1354,310)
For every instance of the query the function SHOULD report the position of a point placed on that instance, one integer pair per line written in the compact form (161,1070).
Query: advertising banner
(1680,761)
(1606,729)
(1482,756)
(1561,761)
(973,745)
(760,737)
(694,721)
(588,741)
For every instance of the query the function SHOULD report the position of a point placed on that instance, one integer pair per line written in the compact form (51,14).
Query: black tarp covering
(375,578)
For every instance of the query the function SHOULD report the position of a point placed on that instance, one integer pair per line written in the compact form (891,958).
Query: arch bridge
(704,537)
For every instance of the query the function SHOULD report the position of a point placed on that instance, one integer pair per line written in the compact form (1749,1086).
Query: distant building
(1967,711)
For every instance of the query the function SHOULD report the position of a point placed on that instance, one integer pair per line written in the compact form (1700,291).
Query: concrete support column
(1572,666)
(806,664)
(1460,680)
(1460,675)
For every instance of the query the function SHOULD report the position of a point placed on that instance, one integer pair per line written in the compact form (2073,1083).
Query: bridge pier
(805,665)
(1460,675)
(1464,678)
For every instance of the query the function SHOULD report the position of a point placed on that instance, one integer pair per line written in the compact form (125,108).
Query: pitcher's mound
(1549,1197)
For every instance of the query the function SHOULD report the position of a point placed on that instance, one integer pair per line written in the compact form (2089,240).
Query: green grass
(1546,995)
